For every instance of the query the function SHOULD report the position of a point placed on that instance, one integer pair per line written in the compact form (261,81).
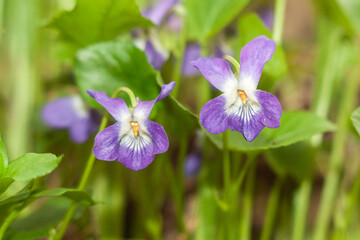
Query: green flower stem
(176,74)
(336,158)
(89,166)
(226,182)
(7,222)
(301,204)
(272,207)
(247,205)
(280,6)
(233,61)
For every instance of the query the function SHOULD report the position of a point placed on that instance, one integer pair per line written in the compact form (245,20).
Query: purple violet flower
(133,140)
(241,107)
(155,57)
(192,164)
(71,113)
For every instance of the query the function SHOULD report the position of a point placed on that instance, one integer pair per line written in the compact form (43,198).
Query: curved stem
(129,92)
(7,222)
(233,61)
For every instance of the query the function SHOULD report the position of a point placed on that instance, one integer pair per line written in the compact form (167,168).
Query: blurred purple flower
(192,52)
(241,107)
(133,140)
(156,58)
(158,12)
(192,164)
(267,16)
(71,113)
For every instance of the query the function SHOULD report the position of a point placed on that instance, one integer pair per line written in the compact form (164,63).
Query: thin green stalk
(280,6)
(226,182)
(271,209)
(233,61)
(7,222)
(301,203)
(247,205)
(336,158)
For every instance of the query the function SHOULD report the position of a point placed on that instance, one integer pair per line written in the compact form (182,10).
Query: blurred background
(301,187)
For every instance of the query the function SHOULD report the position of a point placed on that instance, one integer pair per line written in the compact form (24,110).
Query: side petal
(253,57)
(136,153)
(115,106)
(217,71)
(157,13)
(158,136)
(271,109)
(60,113)
(143,109)
(107,141)
(250,129)
(213,116)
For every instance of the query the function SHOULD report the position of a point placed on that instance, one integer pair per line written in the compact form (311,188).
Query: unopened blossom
(241,107)
(133,140)
(71,113)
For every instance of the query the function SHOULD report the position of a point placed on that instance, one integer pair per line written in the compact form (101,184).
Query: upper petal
(217,71)
(213,116)
(253,57)
(115,106)
(63,112)
(158,136)
(271,109)
(136,153)
(157,13)
(107,141)
(143,109)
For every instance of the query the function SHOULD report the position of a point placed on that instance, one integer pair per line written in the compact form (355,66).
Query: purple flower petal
(157,13)
(267,16)
(107,141)
(192,164)
(143,109)
(174,23)
(81,130)
(158,136)
(192,52)
(115,106)
(250,129)
(253,56)
(61,113)
(271,109)
(155,58)
(213,116)
(136,153)
(217,72)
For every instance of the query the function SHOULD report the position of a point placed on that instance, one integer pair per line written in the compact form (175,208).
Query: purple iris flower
(241,107)
(133,140)
(71,113)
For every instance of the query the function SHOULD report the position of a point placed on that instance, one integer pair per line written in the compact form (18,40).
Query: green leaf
(351,9)
(32,165)
(108,66)
(4,184)
(297,160)
(3,159)
(80,196)
(250,26)
(40,222)
(294,127)
(94,21)
(204,18)
(355,118)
